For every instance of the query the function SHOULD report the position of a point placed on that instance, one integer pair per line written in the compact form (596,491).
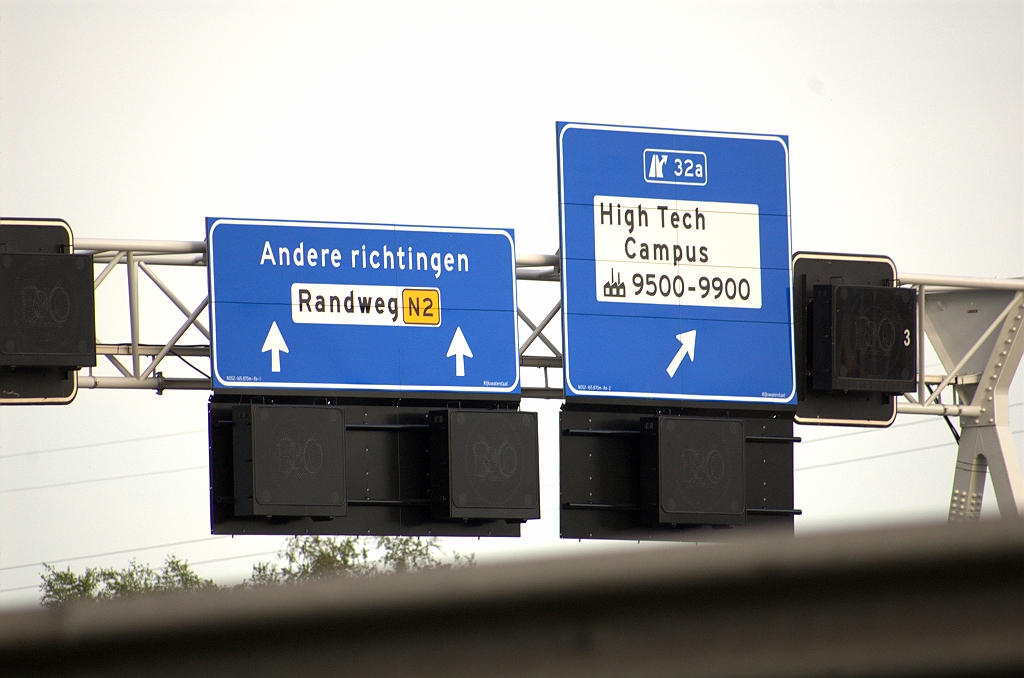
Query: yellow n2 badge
(421,306)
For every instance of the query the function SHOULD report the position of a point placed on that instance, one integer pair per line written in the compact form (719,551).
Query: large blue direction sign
(676,269)
(363,307)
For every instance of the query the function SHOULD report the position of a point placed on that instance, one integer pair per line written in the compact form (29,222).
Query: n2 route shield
(676,265)
(362,307)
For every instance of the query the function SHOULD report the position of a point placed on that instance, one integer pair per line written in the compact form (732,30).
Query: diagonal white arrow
(460,349)
(275,344)
(688,341)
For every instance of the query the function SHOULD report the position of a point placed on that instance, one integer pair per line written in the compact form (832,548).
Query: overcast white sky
(140,119)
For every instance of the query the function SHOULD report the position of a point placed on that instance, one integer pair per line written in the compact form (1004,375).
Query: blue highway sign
(676,265)
(362,307)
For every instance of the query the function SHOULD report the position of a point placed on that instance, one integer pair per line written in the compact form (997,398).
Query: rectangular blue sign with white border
(676,265)
(362,307)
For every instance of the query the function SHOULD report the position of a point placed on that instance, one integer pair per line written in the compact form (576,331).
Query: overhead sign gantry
(346,365)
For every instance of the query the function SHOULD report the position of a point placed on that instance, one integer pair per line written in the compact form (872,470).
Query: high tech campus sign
(364,307)
(676,264)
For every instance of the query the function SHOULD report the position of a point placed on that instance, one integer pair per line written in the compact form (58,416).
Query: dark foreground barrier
(922,601)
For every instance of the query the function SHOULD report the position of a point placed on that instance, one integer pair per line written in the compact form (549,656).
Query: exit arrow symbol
(688,341)
(275,344)
(460,349)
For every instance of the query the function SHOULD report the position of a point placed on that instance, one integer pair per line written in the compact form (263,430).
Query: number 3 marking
(906,337)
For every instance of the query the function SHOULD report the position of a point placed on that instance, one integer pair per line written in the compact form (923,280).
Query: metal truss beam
(146,255)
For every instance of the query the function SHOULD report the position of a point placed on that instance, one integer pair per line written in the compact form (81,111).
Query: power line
(115,553)
(874,456)
(196,468)
(102,444)
(103,480)
(193,541)
(184,433)
(860,433)
(886,454)
(875,430)
(250,555)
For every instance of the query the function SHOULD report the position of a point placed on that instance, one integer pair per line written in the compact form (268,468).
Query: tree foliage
(312,558)
(305,558)
(107,583)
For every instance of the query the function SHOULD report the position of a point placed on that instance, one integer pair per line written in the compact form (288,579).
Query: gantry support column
(986,442)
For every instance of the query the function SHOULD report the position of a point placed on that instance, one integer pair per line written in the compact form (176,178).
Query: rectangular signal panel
(46,310)
(484,464)
(289,460)
(864,338)
(700,472)
(386,473)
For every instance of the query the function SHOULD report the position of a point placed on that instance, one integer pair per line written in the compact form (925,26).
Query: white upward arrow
(275,344)
(460,349)
(688,341)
